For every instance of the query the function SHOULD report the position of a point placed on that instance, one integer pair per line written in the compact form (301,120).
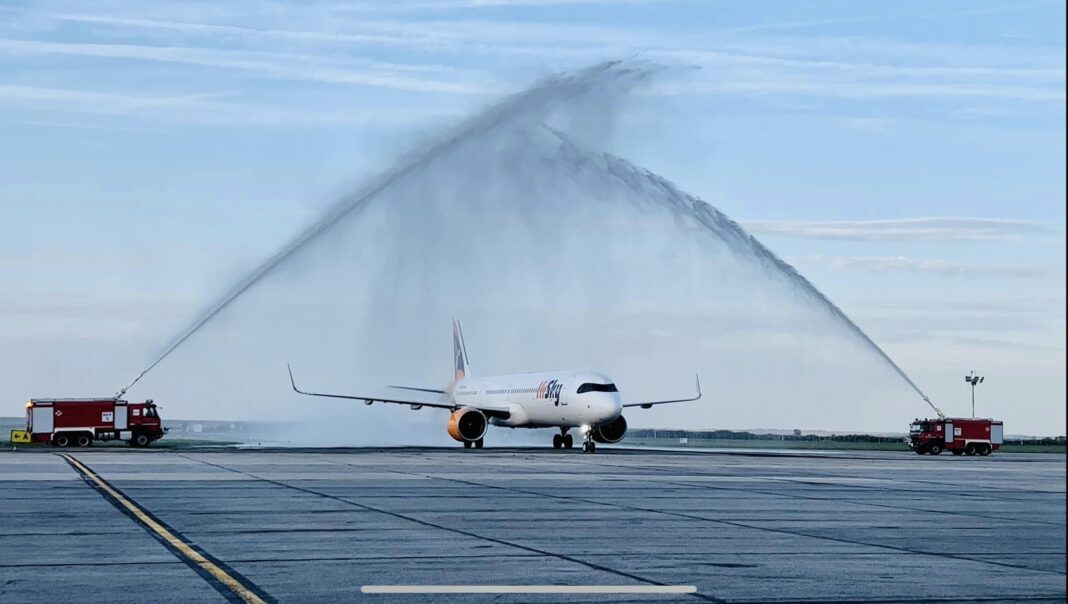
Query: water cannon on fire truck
(960,435)
(67,422)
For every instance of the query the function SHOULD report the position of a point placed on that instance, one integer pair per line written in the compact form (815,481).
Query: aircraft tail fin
(459,352)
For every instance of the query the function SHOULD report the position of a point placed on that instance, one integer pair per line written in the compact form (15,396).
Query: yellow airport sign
(20,436)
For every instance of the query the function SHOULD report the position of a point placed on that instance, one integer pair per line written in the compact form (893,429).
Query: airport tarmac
(317,525)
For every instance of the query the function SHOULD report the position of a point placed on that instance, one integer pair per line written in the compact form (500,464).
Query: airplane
(586,400)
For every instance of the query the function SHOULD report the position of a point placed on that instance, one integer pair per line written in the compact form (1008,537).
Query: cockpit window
(597,388)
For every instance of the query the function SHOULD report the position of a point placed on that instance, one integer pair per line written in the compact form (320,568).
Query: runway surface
(317,525)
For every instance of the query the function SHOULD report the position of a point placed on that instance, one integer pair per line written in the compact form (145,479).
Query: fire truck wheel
(61,440)
(139,440)
(935,449)
(920,450)
(970,449)
(984,450)
(84,440)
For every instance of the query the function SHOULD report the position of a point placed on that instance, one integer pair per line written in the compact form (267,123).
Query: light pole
(973,380)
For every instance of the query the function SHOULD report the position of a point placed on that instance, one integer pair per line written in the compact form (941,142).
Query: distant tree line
(1048,440)
(868,438)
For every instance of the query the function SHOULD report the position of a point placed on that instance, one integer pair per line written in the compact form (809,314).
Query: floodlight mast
(973,380)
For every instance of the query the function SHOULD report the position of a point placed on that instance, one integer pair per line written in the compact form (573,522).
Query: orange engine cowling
(467,424)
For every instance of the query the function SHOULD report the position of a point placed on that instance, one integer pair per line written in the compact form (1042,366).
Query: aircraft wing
(649,404)
(430,390)
(414,404)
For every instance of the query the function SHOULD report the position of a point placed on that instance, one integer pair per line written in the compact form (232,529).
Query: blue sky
(908,157)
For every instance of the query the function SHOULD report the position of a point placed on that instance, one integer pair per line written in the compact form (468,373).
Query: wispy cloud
(997,305)
(972,342)
(908,229)
(203,108)
(739,66)
(859,90)
(469,36)
(869,69)
(985,10)
(103,102)
(450,4)
(414,78)
(945,268)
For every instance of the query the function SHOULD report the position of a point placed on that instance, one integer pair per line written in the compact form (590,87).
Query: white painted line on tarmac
(528,589)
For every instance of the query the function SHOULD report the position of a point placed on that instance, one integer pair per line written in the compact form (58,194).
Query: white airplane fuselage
(538,400)
(552,399)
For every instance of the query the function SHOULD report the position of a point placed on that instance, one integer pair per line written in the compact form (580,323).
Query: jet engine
(612,432)
(467,424)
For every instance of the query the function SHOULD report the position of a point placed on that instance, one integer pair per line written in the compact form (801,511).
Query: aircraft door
(562,400)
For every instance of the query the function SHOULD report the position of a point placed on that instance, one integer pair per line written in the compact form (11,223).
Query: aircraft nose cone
(610,408)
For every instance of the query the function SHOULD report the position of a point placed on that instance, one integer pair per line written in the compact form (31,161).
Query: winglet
(293,382)
(650,404)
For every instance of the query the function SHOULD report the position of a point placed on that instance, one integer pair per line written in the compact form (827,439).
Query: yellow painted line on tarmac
(239,589)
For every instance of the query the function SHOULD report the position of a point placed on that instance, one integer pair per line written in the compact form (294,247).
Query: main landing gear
(563,440)
(476,444)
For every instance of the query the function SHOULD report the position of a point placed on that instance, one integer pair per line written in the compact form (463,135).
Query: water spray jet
(531,103)
(519,120)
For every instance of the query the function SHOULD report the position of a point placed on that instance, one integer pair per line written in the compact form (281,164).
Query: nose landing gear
(588,445)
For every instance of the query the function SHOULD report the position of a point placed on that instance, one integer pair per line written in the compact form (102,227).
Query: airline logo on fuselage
(550,389)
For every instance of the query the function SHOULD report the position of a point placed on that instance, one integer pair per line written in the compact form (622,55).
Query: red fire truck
(66,422)
(961,436)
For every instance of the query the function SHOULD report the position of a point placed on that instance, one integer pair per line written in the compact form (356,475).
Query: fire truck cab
(960,436)
(66,422)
